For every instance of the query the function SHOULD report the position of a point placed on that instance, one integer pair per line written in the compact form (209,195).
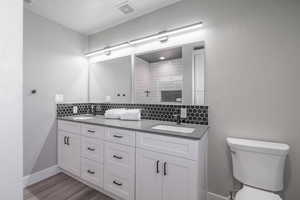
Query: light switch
(75,109)
(107,98)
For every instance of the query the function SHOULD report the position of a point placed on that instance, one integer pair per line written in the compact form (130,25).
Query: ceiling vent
(28,1)
(126,8)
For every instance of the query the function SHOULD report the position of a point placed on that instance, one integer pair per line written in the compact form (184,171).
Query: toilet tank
(258,164)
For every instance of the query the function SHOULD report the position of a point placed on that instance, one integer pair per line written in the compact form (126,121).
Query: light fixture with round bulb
(162,58)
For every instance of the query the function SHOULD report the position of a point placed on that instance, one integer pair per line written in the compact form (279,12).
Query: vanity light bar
(108,49)
(167,33)
(159,35)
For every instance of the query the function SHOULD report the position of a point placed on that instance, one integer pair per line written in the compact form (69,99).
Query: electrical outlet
(183,113)
(59,98)
(75,109)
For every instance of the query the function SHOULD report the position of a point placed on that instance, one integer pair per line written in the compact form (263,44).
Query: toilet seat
(250,193)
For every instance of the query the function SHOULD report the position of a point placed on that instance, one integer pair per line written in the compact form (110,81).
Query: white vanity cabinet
(92,154)
(101,157)
(168,168)
(69,147)
(130,165)
(119,163)
(164,177)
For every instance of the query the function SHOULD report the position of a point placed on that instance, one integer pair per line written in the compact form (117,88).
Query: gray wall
(252,51)
(53,64)
(11,167)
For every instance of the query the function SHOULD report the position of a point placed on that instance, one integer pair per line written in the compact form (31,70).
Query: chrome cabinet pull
(118,136)
(91,149)
(117,183)
(90,131)
(157,166)
(165,168)
(90,172)
(65,140)
(118,157)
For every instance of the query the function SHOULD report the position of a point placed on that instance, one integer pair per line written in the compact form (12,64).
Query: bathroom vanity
(147,159)
(131,160)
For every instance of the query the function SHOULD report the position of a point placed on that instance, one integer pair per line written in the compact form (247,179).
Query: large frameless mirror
(174,75)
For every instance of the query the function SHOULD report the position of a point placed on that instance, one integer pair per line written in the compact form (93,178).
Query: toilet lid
(249,193)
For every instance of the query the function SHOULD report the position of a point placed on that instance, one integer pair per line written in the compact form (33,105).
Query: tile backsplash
(195,114)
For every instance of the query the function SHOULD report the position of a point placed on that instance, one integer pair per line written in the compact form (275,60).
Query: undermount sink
(82,117)
(173,128)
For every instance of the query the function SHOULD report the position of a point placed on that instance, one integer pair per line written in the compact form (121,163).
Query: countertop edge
(163,133)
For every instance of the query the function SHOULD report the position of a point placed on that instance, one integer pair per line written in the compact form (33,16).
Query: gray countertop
(144,125)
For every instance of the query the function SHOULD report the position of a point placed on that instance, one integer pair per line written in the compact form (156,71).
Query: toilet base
(250,193)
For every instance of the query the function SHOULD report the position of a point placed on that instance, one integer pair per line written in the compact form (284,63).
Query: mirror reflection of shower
(172,76)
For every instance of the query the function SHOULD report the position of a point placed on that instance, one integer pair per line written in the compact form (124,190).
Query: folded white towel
(131,114)
(123,114)
(114,113)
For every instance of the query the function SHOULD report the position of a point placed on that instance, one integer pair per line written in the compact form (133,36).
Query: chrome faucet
(94,109)
(178,117)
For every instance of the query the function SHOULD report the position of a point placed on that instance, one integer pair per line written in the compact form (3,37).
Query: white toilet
(259,166)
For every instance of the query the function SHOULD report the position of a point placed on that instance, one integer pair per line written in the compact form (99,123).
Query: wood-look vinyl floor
(62,187)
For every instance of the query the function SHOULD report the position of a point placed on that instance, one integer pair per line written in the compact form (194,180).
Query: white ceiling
(168,54)
(91,16)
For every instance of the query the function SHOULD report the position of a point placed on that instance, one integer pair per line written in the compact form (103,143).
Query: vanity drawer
(93,131)
(119,155)
(120,184)
(67,126)
(120,136)
(179,147)
(92,172)
(92,149)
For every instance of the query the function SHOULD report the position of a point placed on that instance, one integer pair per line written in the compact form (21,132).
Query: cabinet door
(69,152)
(148,175)
(179,179)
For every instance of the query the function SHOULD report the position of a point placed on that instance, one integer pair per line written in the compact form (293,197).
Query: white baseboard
(41,175)
(213,196)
